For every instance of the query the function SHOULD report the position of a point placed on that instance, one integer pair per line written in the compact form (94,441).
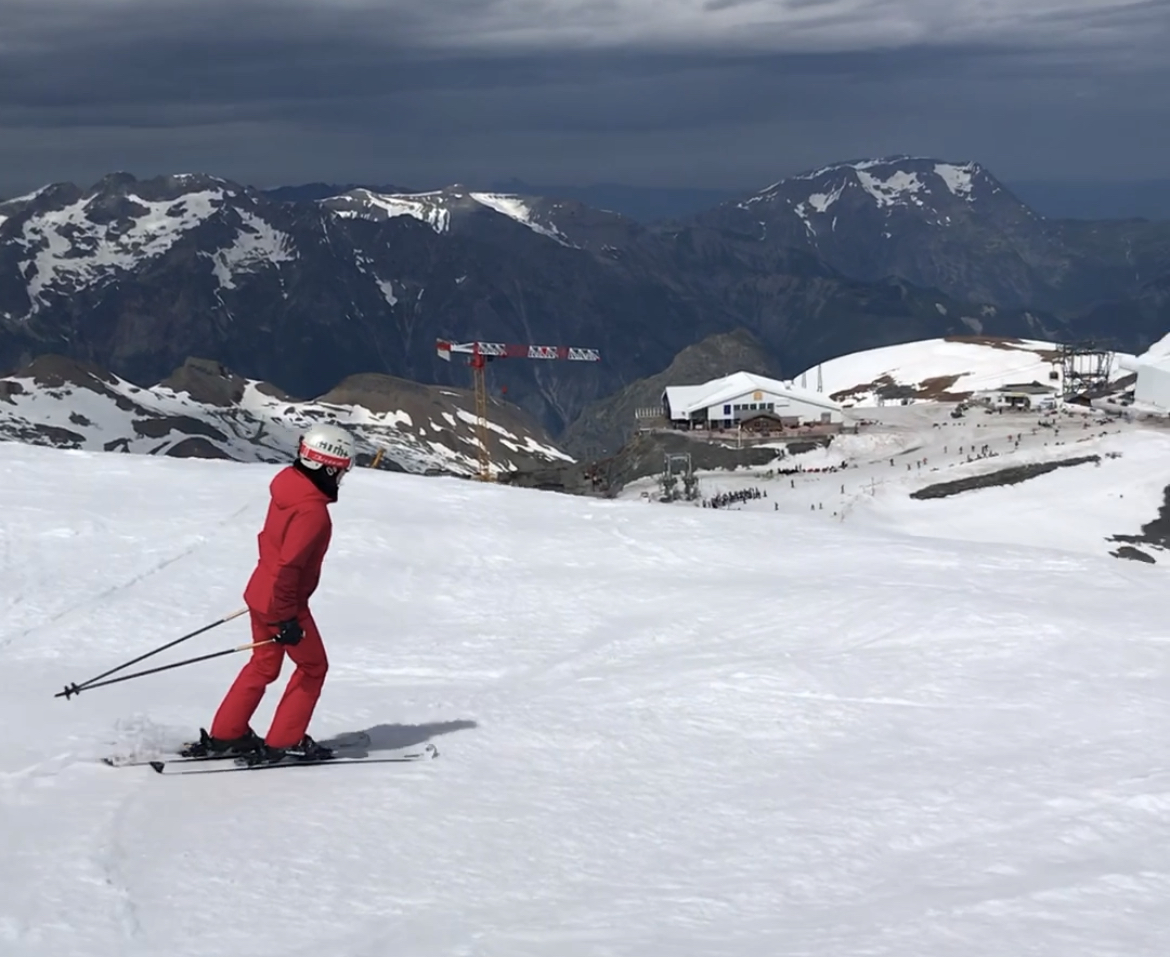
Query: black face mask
(324,478)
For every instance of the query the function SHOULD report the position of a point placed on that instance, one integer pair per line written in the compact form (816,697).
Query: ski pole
(150,671)
(78,688)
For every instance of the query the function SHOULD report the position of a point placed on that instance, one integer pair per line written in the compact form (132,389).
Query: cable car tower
(479,354)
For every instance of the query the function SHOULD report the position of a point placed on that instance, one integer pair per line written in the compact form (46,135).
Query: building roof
(1028,388)
(685,399)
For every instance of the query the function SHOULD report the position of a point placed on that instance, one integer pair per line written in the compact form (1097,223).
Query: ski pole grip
(258,644)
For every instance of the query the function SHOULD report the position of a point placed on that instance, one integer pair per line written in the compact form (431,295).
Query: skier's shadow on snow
(392,737)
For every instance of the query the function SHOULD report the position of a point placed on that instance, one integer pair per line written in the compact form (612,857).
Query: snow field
(978,366)
(662,731)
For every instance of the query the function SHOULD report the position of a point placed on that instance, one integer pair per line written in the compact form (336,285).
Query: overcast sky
(720,93)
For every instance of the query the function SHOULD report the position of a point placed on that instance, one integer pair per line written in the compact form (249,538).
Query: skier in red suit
(292,543)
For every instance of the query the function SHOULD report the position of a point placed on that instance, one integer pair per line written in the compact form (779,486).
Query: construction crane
(479,354)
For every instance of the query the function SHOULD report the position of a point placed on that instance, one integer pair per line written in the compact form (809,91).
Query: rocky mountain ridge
(204,410)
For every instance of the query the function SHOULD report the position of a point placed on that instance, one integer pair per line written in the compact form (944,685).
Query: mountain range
(1054,199)
(303,289)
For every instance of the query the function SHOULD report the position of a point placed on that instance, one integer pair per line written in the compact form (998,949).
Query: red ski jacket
(292,543)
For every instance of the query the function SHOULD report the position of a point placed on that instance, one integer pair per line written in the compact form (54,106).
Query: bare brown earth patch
(934,388)
(863,388)
(1007,344)
(937,388)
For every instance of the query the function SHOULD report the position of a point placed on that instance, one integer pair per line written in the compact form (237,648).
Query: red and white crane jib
(503,350)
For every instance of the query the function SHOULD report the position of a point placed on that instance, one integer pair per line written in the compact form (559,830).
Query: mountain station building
(1022,396)
(749,401)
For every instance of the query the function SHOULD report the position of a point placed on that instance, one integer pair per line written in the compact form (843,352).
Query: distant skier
(292,545)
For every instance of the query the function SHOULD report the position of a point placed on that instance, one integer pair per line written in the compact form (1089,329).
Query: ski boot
(306,750)
(208,747)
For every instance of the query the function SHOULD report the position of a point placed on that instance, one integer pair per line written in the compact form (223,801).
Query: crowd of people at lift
(724,499)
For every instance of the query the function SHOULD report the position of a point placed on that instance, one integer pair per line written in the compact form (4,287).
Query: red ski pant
(300,697)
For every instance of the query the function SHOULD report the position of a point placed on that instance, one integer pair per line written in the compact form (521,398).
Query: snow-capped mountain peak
(885,184)
(914,217)
(71,240)
(439,208)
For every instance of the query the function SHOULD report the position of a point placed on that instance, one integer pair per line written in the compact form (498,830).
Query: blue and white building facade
(726,402)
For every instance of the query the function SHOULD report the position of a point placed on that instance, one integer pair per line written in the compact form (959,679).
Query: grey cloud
(268,92)
(464,25)
(714,6)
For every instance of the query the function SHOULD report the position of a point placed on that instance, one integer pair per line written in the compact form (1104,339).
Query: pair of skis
(357,744)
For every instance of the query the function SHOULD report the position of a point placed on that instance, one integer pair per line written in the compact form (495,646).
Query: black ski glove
(289,632)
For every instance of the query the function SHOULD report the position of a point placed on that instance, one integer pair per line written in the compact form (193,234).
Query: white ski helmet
(328,447)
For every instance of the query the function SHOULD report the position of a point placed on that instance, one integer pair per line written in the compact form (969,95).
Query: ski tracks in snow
(73,890)
(100,597)
(109,857)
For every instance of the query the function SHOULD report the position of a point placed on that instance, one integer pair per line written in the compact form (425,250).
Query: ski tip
(432,750)
(158,766)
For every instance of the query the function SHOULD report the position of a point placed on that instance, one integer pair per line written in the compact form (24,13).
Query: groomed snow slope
(941,368)
(663,731)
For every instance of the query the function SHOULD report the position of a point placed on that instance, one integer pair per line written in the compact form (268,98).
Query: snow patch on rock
(387,289)
(516,208)
(900,187)
(960,180)
(257,244)
(425,207)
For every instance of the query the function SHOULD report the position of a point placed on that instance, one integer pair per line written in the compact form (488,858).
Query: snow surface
(664,730)
(822,201)
(979,366)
